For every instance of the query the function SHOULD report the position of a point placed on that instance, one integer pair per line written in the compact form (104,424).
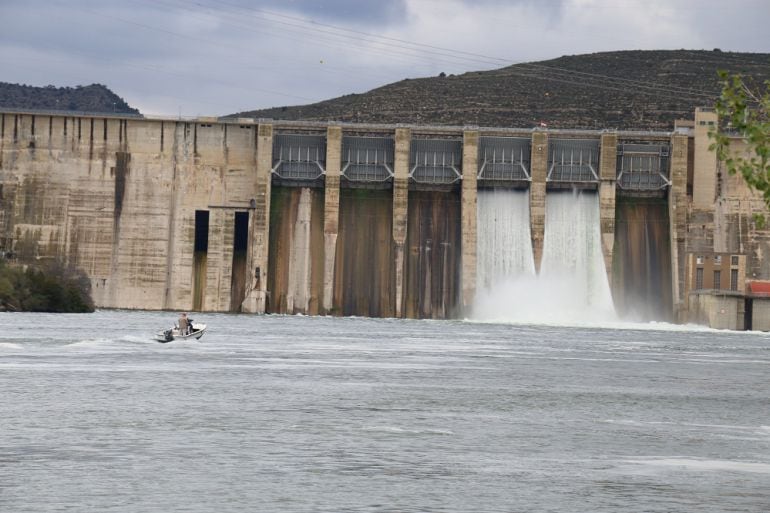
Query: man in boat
(184,324)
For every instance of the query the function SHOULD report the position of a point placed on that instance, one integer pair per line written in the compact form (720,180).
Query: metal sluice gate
(504,160)
(435,161)
(367,159)
(573,162)
(643,167)
(299,157)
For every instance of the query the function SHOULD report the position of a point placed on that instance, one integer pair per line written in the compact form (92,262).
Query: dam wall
(243,215)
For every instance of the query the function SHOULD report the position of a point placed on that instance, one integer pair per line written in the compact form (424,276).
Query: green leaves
(744,114)
(50,289)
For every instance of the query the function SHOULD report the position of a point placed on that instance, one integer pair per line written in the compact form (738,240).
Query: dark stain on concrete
(363,280)
(91,142)
(433,253)
(641,265)
(122,166)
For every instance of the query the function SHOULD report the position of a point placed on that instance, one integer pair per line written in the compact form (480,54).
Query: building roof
(758,288)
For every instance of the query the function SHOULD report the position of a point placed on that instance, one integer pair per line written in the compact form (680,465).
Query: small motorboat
(173,333)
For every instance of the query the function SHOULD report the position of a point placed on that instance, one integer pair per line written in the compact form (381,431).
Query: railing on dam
(573,162)
(367,159)
(504,160)
(435,161)
(299,157)
(643,167)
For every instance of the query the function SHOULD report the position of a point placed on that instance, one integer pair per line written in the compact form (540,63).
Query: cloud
(223,56)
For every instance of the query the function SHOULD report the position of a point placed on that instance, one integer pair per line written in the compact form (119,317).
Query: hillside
(91,98)
(624,90)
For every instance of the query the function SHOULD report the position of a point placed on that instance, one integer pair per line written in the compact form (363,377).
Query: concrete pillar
(705,165)
(608,161)
(677,217)
(219,260)
(256,297)
(298,289)
(331,212)
(469,214)
(538,173)
(400,208)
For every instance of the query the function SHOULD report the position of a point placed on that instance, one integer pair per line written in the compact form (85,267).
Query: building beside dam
(262,216)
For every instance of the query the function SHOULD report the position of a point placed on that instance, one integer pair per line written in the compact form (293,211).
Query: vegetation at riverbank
(50,288)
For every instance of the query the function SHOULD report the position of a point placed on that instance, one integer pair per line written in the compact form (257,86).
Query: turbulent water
(573,269)
(572,283)
(310,414)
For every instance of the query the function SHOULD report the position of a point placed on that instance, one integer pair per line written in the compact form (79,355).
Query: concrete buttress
(400,209)
(331,212)
(607,176)
(537,190)
(677,216)
(256,296)
(469,216)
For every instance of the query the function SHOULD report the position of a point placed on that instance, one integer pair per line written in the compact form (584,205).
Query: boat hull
(171,334)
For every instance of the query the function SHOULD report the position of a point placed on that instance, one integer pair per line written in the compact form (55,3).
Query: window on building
(734,260)
(698,279)
(699,260)
(717,280)
(718,260)
(734,279)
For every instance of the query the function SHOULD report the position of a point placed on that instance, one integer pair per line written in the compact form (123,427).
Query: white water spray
(504,244)
(572,286)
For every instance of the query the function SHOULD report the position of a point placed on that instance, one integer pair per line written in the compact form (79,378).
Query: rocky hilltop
(91,98)
(624,90)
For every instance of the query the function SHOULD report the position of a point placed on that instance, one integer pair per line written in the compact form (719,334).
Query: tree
(744,111)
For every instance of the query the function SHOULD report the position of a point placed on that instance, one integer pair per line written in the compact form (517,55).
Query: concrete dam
(268,216)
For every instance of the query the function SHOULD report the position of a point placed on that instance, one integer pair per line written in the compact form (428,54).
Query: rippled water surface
(271,413)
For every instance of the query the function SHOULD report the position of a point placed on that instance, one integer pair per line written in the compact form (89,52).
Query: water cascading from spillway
(504,243)
(572,285)
(572,270)
(505,267)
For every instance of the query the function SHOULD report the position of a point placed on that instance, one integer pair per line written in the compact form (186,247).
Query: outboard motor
(168,336)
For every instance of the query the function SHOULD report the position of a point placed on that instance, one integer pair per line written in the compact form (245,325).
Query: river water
(275,413)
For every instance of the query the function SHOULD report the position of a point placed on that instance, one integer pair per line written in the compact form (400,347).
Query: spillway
(432,282)
(572,285)
(572,273)
(504,244)
(296,250)
(641,278)
(505,266)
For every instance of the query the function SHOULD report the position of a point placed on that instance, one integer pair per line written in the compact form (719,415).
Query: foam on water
(96,342)
(703,465)
(589,322)
(405,431)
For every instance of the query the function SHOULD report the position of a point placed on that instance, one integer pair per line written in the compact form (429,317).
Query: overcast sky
(215,57)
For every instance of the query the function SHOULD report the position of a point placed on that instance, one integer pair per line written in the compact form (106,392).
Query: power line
(562,74)
(336,36)
(337,40)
